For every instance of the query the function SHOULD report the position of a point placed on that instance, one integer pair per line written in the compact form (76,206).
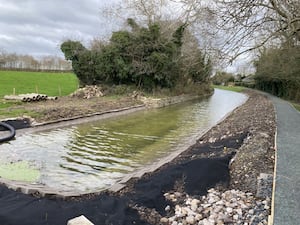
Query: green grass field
(51,84)
(230,88)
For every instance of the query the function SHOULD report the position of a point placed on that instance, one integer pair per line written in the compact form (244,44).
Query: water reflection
(93,156)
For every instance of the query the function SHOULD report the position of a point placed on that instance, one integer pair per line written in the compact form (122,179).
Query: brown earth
(68,107)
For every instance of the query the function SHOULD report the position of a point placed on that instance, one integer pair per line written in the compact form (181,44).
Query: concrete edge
(271,217)
(81,119)
(89,115)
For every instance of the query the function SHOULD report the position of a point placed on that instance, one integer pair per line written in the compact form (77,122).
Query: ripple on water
(93,156)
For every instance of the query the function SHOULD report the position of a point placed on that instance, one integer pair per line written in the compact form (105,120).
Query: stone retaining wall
(162,102)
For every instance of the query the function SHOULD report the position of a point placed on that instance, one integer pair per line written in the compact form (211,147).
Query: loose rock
(242,208)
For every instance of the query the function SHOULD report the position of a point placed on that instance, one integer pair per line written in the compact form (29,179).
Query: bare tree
(249,25)
(143,11)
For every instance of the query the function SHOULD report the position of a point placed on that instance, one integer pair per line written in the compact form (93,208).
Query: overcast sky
(38,27)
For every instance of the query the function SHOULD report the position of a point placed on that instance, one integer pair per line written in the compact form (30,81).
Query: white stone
(239,212)
(194,207)
(162,220)
(195,201)
(211,200)
(251,211)
(220,222)
(198,217)
(177,194)
(172,196)
(229,210)
(221,202)
(184,211)
(235,217)
(81,220)
(167,195)
(171,219)
(218,208)
(190,220)
(206,222)
(205,206)
(167,208)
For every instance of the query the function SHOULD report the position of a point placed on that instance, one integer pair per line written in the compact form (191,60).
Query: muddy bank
(248,133)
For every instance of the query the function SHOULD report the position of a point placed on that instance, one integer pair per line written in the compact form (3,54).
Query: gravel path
(287,181)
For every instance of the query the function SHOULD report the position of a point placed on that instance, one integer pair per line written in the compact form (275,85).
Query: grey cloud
(39,26)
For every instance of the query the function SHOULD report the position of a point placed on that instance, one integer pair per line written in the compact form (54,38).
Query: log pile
(88,92)
(33,97)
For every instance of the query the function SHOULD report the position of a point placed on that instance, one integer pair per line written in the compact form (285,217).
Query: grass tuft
(297,106)
(230,88)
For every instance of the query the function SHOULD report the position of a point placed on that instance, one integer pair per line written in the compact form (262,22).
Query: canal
(92,156)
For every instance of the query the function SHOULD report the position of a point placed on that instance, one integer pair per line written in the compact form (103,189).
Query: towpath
(287,175)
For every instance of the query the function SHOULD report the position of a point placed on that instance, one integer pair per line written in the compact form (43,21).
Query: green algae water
(93,156)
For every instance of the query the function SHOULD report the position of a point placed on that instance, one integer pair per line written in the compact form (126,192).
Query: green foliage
(178,34)
(278,71)
(200,71)
(230,88)
(297,106)
(71,49)
(142,56)
(222,78)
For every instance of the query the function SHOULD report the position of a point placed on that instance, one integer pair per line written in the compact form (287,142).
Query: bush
(143,57)
(278,71)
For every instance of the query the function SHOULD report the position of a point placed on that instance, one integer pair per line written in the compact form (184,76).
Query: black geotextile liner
(17,124)
(198,175)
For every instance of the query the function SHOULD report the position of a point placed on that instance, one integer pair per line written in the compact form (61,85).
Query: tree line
(144,56)
(13,61)
(227,29)
(278,71)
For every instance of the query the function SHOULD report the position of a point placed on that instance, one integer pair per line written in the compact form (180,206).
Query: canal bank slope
(248,131)
(245,197)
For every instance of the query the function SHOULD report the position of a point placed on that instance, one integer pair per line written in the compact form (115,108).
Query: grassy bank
(229,88)
(297,106)
(51,84)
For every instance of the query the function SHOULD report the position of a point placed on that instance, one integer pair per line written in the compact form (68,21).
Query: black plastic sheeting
(17,123)
(12,132)
(199,175)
